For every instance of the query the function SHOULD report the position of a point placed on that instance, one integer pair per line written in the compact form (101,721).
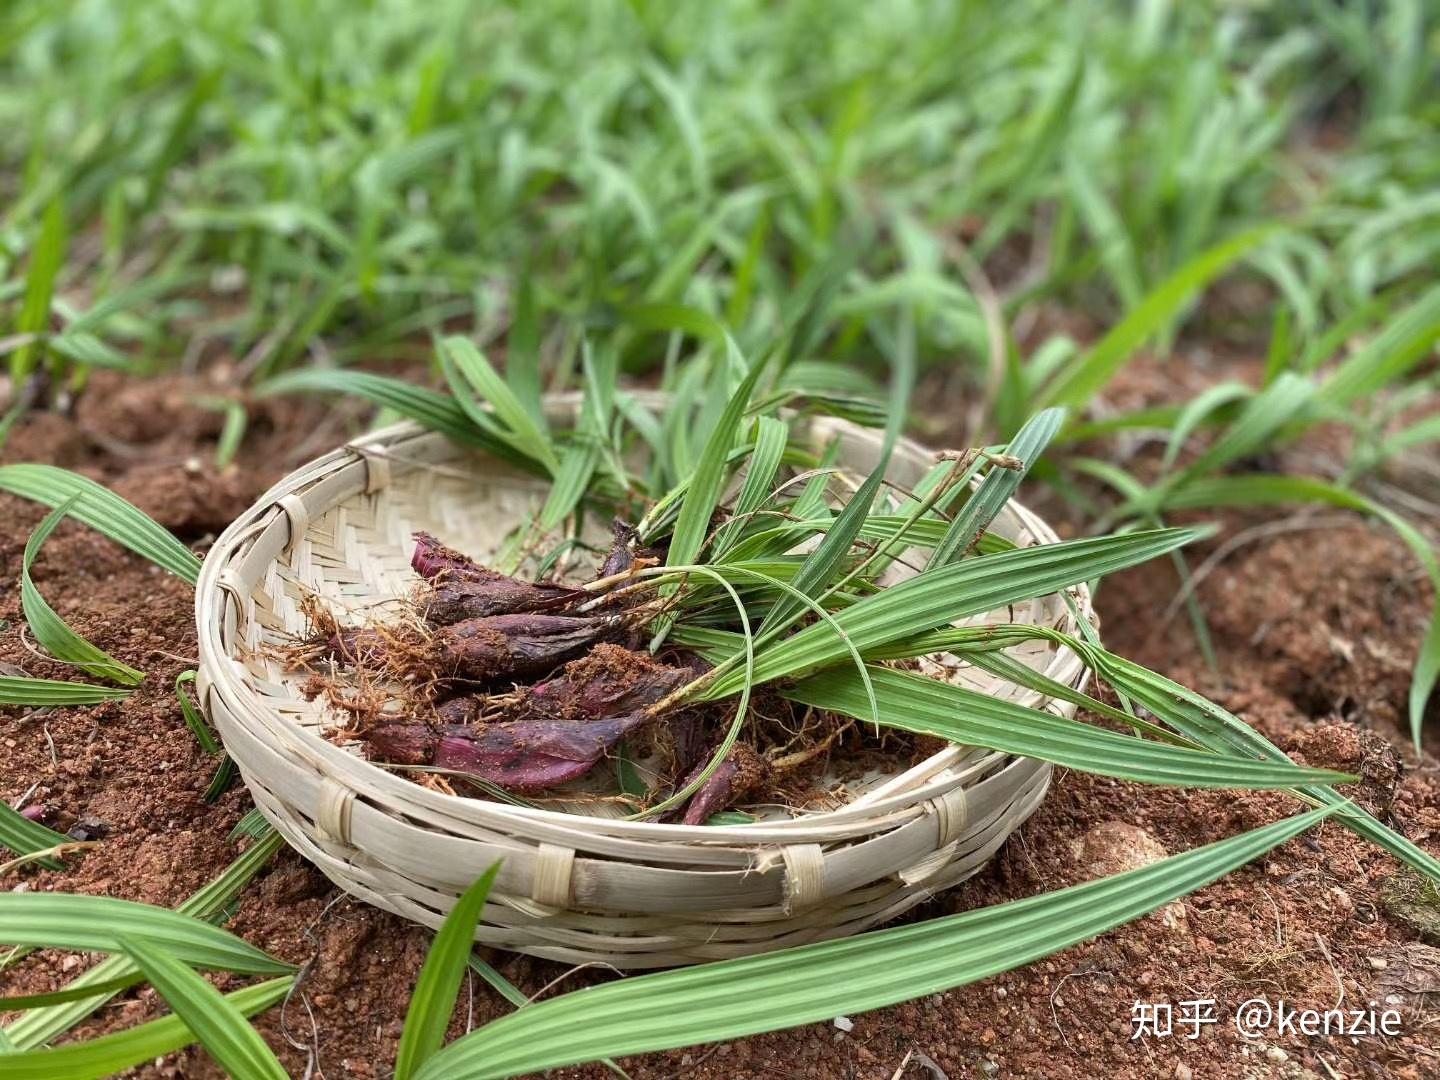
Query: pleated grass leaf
(95,923)
(582,456)
(431,410)
(476,384)
(221,1028)
(208,902)
(439,983)
(735,998)
(954,592)
(821,565)
(49,693)
(25,837)
(51,632)
(998,486)
(110,1054)
(1207,724)
(522,352)
(927,706)
(771,437)
(70,993)
(103,511)
(1401,344)
(1199,410)
(193,720)
(707,483)
(1280,403)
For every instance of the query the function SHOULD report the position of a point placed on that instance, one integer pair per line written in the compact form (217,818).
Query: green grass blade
(476,383)
(93,924)
(1280,403)
(46,258)
(437,412)
(771,437)
(577,465)
(103,511)
(1205,723)
(51,632)
(439,983)
(513,994)
(522,351)
(252,824)
(71,993)
(25,837)
(820,566)
(1405,340)
(1083,379)
(953,592)
(211,900)
(708,481)
(927,706)
(221,1028)
(44,693)
(996,489)
(734,998)
(193,720)
(1196,412)
(122,1050)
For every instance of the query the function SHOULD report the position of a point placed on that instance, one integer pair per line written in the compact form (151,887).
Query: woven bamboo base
(571,888)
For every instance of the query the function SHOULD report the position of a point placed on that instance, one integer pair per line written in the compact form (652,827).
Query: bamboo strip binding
(571,888)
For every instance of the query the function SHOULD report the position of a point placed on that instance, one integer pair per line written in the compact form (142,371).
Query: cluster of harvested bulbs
(519,688)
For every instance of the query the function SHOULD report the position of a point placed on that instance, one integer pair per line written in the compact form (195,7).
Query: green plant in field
(263,182)
(722,415)
(814,624)
(733,998)
(144,943)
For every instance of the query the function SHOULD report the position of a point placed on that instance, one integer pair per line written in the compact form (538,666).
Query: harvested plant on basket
(760,626)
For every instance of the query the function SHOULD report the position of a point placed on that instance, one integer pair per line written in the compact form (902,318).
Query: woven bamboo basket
(574,888)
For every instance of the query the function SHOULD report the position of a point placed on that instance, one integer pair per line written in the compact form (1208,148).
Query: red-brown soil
(1315,631)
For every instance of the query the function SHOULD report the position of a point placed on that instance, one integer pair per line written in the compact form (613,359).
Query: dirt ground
(1315,623)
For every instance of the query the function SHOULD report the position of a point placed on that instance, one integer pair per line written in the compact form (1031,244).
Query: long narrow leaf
(472,376)
(221,1028)
(996,489)
(103,511)
(929,706)
(439,983)
(734,998)
(46,257)
(821,564)
(25,837)
(208,902)
(1082,380)
(122,1050)
(954,592)
(577,466)
(47,693)
(1404,341)
(51,631)
(1207,724)
(771,437)
(193,720)
(708,481)
(94,923)
(1278,404)
(1275,490)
